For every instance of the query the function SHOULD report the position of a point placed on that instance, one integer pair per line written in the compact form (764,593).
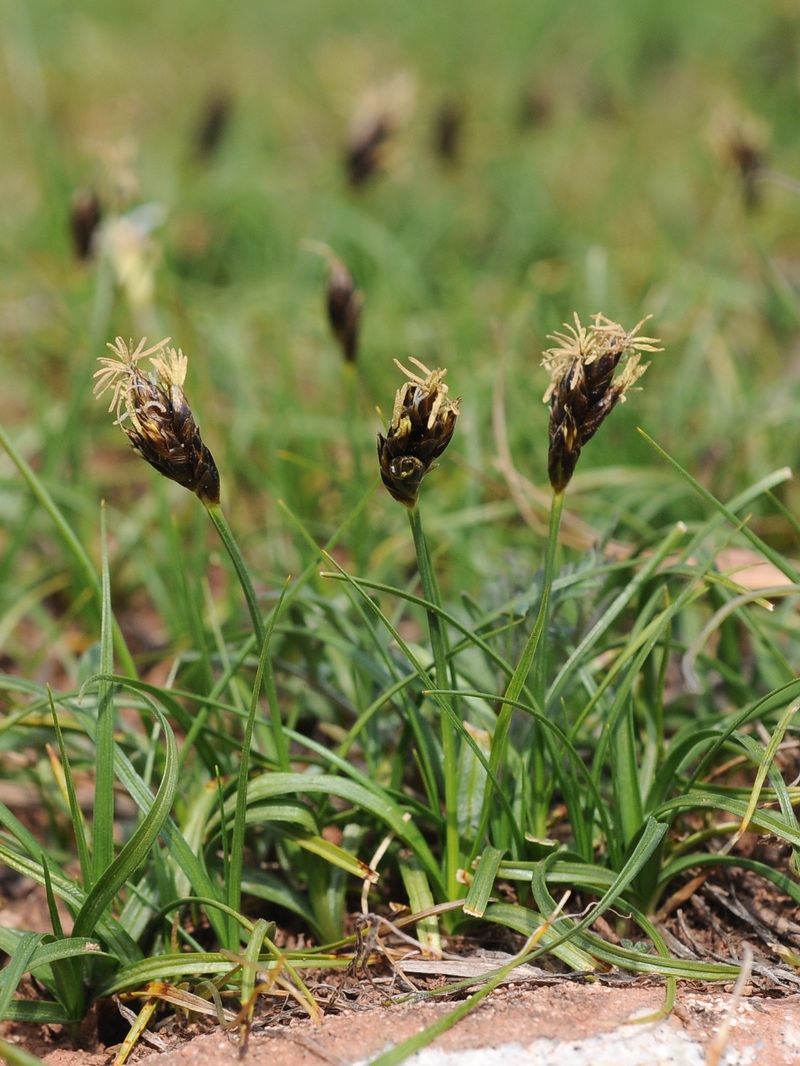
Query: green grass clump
(222,740)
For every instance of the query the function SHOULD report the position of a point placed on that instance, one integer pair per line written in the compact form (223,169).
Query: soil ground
(564,1023)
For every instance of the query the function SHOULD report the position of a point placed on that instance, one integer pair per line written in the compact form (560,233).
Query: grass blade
(134,852)
(103,815)
(68,536)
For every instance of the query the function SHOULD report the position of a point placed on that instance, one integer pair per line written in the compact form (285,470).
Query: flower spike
(422,425)
(582,390)
(155,415)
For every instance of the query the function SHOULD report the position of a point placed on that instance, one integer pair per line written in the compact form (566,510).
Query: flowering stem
(360,540)
(221,524)
(520,677)
(430,590)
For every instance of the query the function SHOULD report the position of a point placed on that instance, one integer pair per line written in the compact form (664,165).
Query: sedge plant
(622,800)
(608,711)
(422,425)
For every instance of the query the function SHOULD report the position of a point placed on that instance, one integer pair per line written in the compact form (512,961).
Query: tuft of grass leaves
(541,708)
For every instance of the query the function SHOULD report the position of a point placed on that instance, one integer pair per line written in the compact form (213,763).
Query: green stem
(103,821)
(232,548)
(520,678)
(430,589)
(360,539)
(236,855)
(625,776)
(221,524)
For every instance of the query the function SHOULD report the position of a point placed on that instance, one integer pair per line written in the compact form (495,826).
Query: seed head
(344,303)
(582,390)
(212,125)
(741,141)
(155,415)
(84,220)
(448,129)
(423,421)
(379,115)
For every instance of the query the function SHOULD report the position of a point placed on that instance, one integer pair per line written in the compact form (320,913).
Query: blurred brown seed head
(741,140)
(365,151)
(344,302)
(582,390)
(155,414)
(212,125)
(379,115)
(448,129)
(84,220)
(748,158)
(422,425)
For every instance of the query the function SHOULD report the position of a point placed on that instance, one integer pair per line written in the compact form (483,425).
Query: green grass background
(622,196)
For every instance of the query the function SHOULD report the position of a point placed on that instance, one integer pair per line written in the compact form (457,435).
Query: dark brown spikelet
(214,121)
(365,151)
(379,115)
(166,436)
(741,140)
(344,303)
(748,158)
(448,128)
(583,391)
(422,425)
(84,219)
(156,417)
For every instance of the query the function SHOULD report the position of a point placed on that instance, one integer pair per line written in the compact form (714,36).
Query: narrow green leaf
(251,955)
(779,561)
(198,965)
(762,820)
(236,856)
(108,930)
(103,811)
(39,1012)
(73,544)
(448,735)
(372,800)
(135,851)
(79,826)
(17,1056)
(66,973)
(766,766)
(420,899)
(18,966)
(331,853)
(483,882)
(625,774)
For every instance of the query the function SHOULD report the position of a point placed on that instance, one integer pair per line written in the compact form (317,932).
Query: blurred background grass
(599,167)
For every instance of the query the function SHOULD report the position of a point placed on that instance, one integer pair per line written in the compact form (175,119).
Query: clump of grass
(521,757)
(468,721)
